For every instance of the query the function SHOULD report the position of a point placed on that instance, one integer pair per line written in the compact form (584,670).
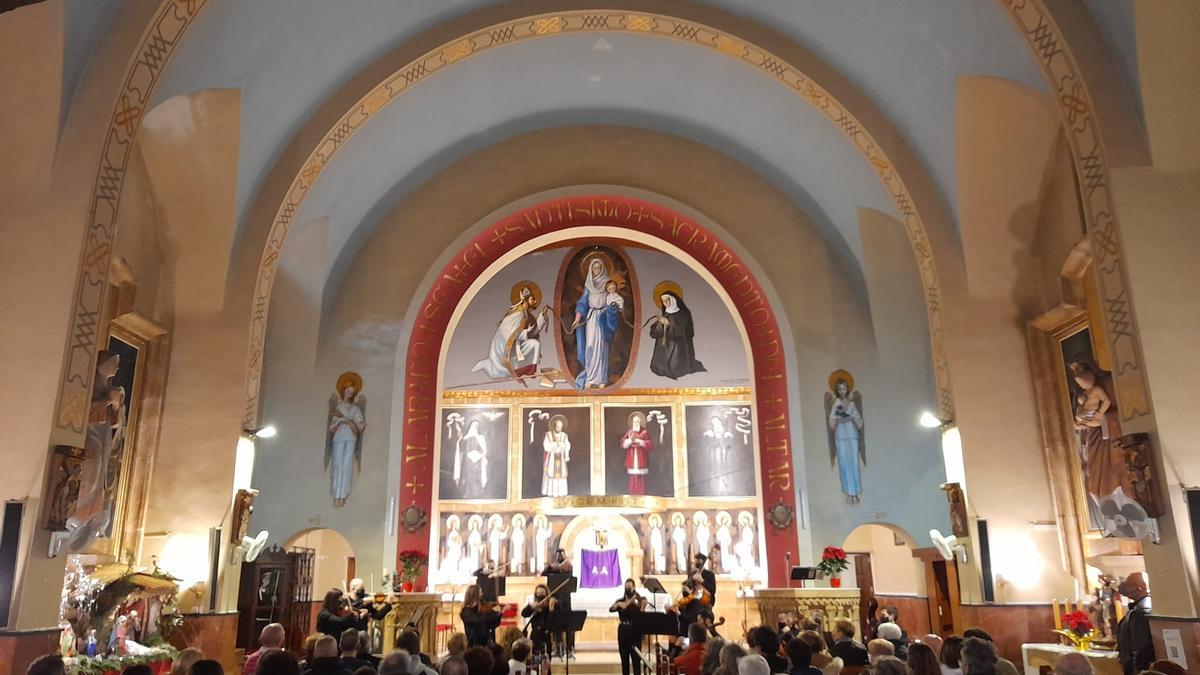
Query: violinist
(538,612)
(486,577)
(703,578)
(479,618)
(364,606)
(627,607)
(336,615)
(561,565)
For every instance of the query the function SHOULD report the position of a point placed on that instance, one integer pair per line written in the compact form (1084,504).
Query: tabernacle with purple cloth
(601,569)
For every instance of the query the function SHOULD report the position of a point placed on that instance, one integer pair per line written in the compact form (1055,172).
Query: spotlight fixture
(268,431)
(931,421)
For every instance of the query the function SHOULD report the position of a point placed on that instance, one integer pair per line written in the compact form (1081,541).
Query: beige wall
(332,554)
(893,567)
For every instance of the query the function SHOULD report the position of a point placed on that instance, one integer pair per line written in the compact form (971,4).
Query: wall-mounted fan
(249,549)
(1124,518)
(946,545)
(79,533)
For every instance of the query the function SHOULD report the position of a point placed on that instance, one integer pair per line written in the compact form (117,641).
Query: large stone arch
(494,245)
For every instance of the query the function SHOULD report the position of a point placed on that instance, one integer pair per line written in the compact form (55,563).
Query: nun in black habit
(673,332)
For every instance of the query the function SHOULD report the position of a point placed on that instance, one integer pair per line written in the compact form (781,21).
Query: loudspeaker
(10,539)
(985,561)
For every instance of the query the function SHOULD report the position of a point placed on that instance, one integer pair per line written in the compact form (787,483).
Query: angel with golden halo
(847,440)
(343,437)
(515,349)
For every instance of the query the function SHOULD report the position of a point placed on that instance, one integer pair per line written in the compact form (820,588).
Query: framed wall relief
(720,450)
(474,457)
(556,451)
(639,450)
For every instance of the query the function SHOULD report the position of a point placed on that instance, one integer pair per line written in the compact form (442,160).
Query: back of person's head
(889,631)
(951,654)
(1168,667)
(349,641)
(453,665)
(456,644)
(697,634)
(395,663)
(409,640)
(1073,664)
(843,628)
(888,665)
(184,660)
(813,639)
(508,636)
(978,657)
(278,662)
(799,653)
(207,667)
(499,659)
(766,639)
(977,633)
(325,647)
(479,661)
(730,653)
(712,656)
(521,649)
(140,669)
(923,660)
(272,636)
(753,664)
(310,643)
(934,642)
(47,664)
(880,647)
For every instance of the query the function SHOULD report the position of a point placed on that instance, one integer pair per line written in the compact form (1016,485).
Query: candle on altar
(1056,613)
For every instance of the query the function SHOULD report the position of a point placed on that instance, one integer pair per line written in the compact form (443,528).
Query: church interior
(828,317)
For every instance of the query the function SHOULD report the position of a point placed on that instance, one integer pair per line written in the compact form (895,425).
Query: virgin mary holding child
(597,316)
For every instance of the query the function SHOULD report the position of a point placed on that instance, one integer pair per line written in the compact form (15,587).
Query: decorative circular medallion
(780,515)
(412,518)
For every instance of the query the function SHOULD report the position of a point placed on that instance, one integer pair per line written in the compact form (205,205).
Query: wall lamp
(268,431)
(931,421)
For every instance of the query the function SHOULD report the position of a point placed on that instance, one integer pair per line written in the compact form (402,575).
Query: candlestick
(1056,613)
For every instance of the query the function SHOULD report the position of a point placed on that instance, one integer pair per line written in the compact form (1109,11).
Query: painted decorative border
(773,439)
(593,21)
(157,44)
(1084,136)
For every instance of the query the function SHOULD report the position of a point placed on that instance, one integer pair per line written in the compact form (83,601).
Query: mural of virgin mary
(597,315)
(674,334)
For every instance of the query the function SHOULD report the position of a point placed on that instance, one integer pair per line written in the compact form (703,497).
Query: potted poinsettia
(411,562)
(833,563)
(1078,629)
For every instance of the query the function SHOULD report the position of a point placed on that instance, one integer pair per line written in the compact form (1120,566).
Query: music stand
(803,574)
(491,588)
(653,624)
(569,622)
(655,587)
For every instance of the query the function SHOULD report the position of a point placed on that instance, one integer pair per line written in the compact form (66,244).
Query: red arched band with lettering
(559,215)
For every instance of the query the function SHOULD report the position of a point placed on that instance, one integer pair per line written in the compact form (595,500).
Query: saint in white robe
(514,349)
(658,555)
(516,560)
(556,447)
(679,542)
(725,539)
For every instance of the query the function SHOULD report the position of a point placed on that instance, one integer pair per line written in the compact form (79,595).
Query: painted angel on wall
(847,438)
(343,438)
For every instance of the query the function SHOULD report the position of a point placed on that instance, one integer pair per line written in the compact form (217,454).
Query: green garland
(97,665)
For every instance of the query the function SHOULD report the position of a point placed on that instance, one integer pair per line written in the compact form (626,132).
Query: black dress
(333,625)
(628,637)
(480,627)
(674,344)
(539,627)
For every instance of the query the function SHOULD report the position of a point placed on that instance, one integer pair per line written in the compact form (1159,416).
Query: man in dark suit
(705,577)
(1134,644)
(844,646)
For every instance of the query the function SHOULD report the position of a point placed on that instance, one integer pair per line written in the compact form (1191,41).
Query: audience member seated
(456,644)
(364,651)
(396,663)
(349,646)
(891,614)
(800,657)
(278,662)
(184,660)
(454,665)
(934,642)
(508,636)
(499,659)
(479,661)
(766,644)
(1003,665)
(688,663)
(922,660)
(895,635)
(951,656)
(821,657)
(978,657)
(365,670)
(878,648)
(518,662)
(206,667)
(310,643)
(731,652)
(887,665)
(47,664)
(271,637)
(753,664)
(1073,664)
(711,662)
(410,641)
(844,647)
(325,659)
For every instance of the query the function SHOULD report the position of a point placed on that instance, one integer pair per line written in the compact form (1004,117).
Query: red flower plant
(411,562)
(1079,622)
(833,560)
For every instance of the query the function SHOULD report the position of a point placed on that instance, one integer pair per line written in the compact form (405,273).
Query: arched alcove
(333,558)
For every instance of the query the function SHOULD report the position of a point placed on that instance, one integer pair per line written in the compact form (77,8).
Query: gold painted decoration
(840,376)
(349,379)
(664,287)
(525,289)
